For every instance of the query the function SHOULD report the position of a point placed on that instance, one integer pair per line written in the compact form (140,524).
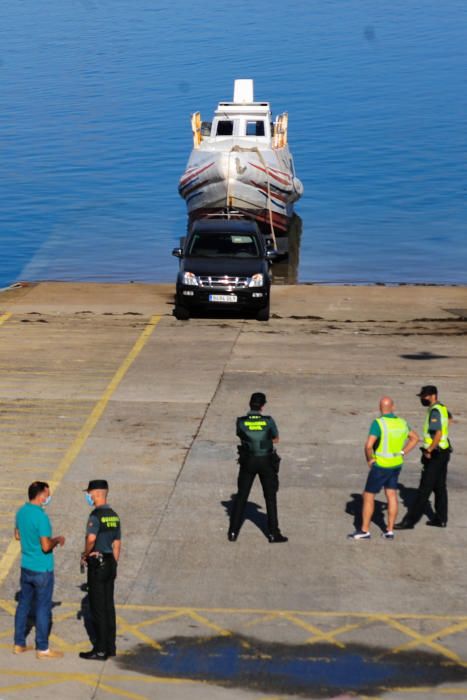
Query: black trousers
(432,480)
(249,468)
(101,581)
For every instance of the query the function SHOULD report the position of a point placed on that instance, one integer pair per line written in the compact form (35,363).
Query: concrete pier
(100,381)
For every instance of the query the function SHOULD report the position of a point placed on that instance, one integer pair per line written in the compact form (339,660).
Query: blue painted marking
(296,669)
(195,194)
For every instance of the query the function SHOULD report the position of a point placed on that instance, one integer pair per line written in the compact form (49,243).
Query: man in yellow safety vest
(389,439)
(436,452)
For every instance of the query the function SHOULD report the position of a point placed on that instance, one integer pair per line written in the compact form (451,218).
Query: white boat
(241,164)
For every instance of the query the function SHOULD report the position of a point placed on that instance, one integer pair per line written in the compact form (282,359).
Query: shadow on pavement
(408,496)
(84,614)
(304,670)
(354,508)
(252,513)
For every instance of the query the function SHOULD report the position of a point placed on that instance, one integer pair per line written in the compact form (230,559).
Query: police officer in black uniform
(436,452)
(258,434)
(101,553)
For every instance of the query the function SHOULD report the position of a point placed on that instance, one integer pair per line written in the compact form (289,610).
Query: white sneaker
(359,535)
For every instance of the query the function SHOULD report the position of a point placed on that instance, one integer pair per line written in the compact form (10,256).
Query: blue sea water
(95,100)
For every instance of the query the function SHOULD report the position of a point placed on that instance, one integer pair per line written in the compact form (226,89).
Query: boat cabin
(242,118)
(246,122)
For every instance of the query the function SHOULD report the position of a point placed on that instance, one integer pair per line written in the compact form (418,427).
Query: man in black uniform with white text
(258,434)
(101,554)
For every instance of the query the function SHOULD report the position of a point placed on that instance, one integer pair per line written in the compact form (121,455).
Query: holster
(95,562)
(243,454)
(275,461)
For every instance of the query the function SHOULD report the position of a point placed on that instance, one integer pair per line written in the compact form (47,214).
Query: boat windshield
(225,127)
(223,245)
(255,128)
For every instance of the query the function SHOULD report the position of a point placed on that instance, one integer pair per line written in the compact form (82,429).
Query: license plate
(229,298)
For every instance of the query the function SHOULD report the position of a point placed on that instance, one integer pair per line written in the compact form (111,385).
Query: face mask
(425,402)
(88,498)
(46,502)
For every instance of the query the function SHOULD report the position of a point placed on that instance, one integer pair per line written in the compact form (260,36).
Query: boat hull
(256,183)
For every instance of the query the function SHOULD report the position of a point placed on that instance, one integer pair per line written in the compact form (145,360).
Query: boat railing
(196,129)
(279,139)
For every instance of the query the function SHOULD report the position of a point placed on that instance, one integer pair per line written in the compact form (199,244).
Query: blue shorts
(382,477)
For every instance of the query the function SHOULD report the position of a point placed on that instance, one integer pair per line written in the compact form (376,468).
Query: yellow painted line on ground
(262,619)
(101,405)
(44,678)
(125,626)
(160,618)
(4,317)
(204,621)
(116,691)
(301,620)
(12,551)
(304,613)
(438,634)
(318,634)
(329,636)
(181,610)
(30,685)
(8,606)
(423,640)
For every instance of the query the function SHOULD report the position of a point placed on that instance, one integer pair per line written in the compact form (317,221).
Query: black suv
(224,264)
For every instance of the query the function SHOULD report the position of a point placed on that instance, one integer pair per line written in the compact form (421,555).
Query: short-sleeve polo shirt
(32,523)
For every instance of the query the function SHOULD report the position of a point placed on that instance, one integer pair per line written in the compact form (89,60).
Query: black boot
(275,537)
(93,655)
(436,522)
(404,524)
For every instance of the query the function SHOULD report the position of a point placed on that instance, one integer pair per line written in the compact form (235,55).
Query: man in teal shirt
(34,531)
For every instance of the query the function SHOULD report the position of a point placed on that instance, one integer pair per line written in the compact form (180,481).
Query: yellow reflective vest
(443,412)
(394,433)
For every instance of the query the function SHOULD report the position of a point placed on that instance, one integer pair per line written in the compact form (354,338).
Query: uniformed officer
(436,452)
(101,554)
(258,434)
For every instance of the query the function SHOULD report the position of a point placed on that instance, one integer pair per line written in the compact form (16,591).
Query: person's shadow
(84,614)
(354,508)
(408,497)
(252,512)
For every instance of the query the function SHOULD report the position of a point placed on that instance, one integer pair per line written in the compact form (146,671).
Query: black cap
(428,390)
(97,484)
(258,399)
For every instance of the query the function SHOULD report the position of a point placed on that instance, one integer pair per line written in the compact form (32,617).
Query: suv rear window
(223,245)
